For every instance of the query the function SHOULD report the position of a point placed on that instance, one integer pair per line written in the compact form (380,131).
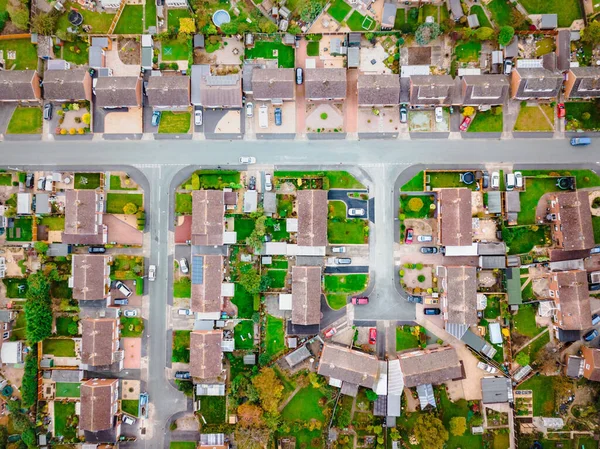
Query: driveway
(122,121)
(6,112)
(223,123)
(347,269)
(351,203)
(300,91)
(133,352)
(351,103)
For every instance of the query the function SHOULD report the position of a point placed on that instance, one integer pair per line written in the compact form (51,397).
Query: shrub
(81,131)
(63,131)
(174,66)
(130,209)
(86,118)
(77,119)
(324,116)
(585,116)
(415,204)
(421,278)
(522,358)
(72,131)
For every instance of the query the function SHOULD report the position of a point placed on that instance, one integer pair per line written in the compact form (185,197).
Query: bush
(421,278)
(174,66)
(585,116)
(415,204)
(522,358)
(130,209)
(86,118)
(29,386)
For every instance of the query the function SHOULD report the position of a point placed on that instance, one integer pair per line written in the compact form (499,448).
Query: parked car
(48,184)
(130,313)
(184,375)
(432,301)
(299,76)
(183,266)
(247,159)
(152,272)
(415,299)
(249,109)
(424,238)
(495,180)
(123,289)
(594,287)
(439,114)
(330,332)
(589,336)
(48,111)
(595,319)
(96,250)
(121,301)
(431,311)
(485,180)
(465,123)
(409,236)
(29,181)
(485,367)
(429,250)
(360,300)
(155,118)
(372,336)
(184,312)
(595,250)
(560,110)
(129,420)
(252,183)
(338,249)
(356,212)
(508,65)
(198,117)
(510,181)
(343,260)
(278,117)
(518,180)
(41,183)
(580,141)
(268,184)
(403,114)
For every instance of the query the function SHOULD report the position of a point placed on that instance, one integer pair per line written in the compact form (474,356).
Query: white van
(510,181)
(263,116)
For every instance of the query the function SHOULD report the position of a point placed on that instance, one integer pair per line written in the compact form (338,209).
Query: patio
(373,53)
(387,121)
(324,118)
(230,52)
(329,60)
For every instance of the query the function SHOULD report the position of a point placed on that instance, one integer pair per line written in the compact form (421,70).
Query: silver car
(356,212)
(183,265)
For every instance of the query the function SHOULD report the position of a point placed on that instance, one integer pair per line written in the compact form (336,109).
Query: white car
(129,420)
(338,249)
(249,110)
(495,180)
(130,313)
(424,238)
(485,367)
(247,160)
(184,312)
(356,212)
(439,114)
(268,184)
(518,180)
(152,272)
(183,266)
(198,117)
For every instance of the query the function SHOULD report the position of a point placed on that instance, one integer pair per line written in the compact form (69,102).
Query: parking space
(134,300)
(379,120)
(122,121)
(198,128)
(223,121)
(423,120)
(288,118)
(133,352)
(183,251)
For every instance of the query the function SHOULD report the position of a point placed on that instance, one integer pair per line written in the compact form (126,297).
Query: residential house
(378,90)
(100,344)
(274,85)
(206,357)
(455,8)
(484,90)
(591,363)
(67,85)
(22,86)
(575,366)
(583,82)
(99,407)
(207,277)
(459,299)
(90,277)
(388,16)
(6,322)
(208,211)
(535,83)
(571,219)
(433,90)
(348,369)
(11,353)
(312,217)
(216,91)
(431,366)
(325,84)
(306,295)
(569,289)
(454,217)
(168,92)
(83,218)
(118,92)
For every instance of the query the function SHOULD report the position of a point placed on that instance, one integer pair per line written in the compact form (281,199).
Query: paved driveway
(351,203)
(133,352)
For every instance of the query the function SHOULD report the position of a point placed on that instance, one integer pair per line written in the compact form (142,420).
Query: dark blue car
(278,116)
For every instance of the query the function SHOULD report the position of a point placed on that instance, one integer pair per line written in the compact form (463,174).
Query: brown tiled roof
(206,296)
(97,404)
(168,91)
(348,365)
(312,217)
(430,366)
(118,91)
(66,84)
(431,89)
(587,82)
(574,299)
(576,220)
(306,295)
(325,83)
(17,85)
(222,91)
(537,83)
(378,89)
(89,277)
(592,358)
(455,217)
(268,84)
(207,217)
(485,89)
(462,295)
(81,208)
(97,341)
(206,354)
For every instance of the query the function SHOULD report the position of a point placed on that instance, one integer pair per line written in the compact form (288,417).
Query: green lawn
(6,179)
(544,46)
(277,278)
(530,197)
(174,122)
(596,226)
(567,10)
(116,201)
(64,420)
(19,328)
(531,118)
(441,179)
(524,321)
(339,9)
(25,120)
(522,239)
(449,410)
(584,178)
(173,50)
(483,20)
(54,223)
(132,327)
(356,22)
(312,48)
(575,110)
(212,179)
(131,20)
(468,51)
(181,346)
(182,445)
(22,231)
(182,288)
(492,310)
(535,347)
(99,21)
(242,329)
(351,231)
(501,11)
(415,184)
(543,394)
(130,406)
(67,389)
(405,339)
(115,183)
(212,409)
(26,54)
(61,290)
(150,16)
(285,205)
(335,179)
(429,10)
(59,347)
(487,122)
(243,227)
(274,337)
(304,406)
(349,283)
(400,18)
(174,15)
(244,302)
(337,300)
(76,52)
(87,180)
(183,203)
(62,325)
(277,228)
(417,206)
(266,49)
(337,209)
(12,287)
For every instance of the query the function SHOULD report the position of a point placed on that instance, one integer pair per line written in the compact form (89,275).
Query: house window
(552,293)
(587,366)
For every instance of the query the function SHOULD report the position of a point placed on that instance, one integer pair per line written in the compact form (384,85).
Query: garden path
(532,340)
(290,397)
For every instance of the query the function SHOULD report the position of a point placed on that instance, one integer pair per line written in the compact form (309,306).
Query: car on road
(409,236)
(330,332)
(183,266)
(518,180)
(247,159)
(360,300)
(424,238)
(249,109)
(465,123)
(580,141)
(429,250)
(299,76)
(130,313)
(372,336)
(595,319)
(155,118)
(415,299)
(343,260)
(198,117)
(152,272)
(589,336)
(560,110)
(403,114)
(123,289)
(121,301)
(431,311)
(184,312)
(338,249)
(96,250)
(48,111)
(356,212)
(278,117)
(129,420)
(485,367)
(439,114)
(183,375)
(485,180)
(268,184)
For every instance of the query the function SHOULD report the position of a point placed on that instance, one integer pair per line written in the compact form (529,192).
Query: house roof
(563,50)
(222,91)
(574,366)
(207,217)
(431,89)
(378,89)
(574,299)
(18,85)
(549,21)
(348,365)
(587,82)
(473,21)
(81,209)
(306,295)
(312,217)
(66,84)
(205,354)
(388,17)
(430,366)
(206,288)
(97,404)
(592,358)
(537,83)
(168,91)
(97,341)
(268,84)
(325,83)
(575,220)
(456,8)
(89,277)
(462,295)
(115,91)
(485,89)
(455,217)
(496,390)
(478,344)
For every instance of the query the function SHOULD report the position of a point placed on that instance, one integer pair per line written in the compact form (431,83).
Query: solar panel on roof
(197,269)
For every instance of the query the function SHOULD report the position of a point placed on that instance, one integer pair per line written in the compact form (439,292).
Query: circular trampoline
(468,178)
(220,17)
(75,18)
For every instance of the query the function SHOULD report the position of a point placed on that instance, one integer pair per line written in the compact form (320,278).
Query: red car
(372,336)
(409,236)
(330,332)
(560,109)
(360,300)
(465,124)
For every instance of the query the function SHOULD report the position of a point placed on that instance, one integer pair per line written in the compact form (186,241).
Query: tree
(343,418)
(187,26)
(371,395)
(430,431)
(250,280)
(591,33)
(458,425)
(130,209)
(73,328)
(28,437)
(19,15)
(505,35)
(484,33)
(265,283)
(269,389)
(38,307)
(468,111)
(29,385)
(426,33)
(522,358)
(266,26)
(44,24)
(40,247)
(251,437)
(249,415)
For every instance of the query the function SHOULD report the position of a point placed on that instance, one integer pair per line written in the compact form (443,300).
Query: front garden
(174,122)
(73,118)
(421,206)
(535,118)
(25,120)
(339,287)
(584,116)
(487,121)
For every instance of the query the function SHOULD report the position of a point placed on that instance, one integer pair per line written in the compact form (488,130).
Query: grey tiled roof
(306,295)
(432,89)
(312,217)
(268,84)
(430,366)
(115,91)
(485,89)
(325,83)
(17,85)
(66,84)
(349,366)
(537,83)
(462,295)
(168,91)
(587,82)
(378,89)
